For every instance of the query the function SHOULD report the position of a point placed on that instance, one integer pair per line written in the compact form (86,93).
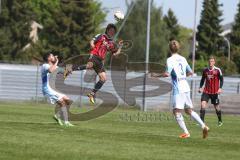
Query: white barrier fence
(23,83)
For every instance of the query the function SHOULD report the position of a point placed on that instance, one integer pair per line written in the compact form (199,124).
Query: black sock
(219,115)
(98,85)
(202,114)
(82,67)
(78,68)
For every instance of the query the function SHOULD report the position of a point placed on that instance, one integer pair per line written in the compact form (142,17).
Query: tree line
(210,42)
(68,25)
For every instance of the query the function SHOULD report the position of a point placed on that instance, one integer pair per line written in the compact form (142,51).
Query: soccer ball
(118,15)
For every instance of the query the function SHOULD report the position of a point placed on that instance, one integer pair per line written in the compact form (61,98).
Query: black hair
(109,26)
(45,56)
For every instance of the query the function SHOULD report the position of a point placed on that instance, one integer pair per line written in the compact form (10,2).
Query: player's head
(48,57)
(111,30)
(211,61)
(174,46)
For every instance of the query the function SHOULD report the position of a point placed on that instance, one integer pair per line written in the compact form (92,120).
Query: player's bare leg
(89,65)
(68,102)
(196,117)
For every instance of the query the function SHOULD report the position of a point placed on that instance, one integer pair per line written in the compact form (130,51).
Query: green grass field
(28,132)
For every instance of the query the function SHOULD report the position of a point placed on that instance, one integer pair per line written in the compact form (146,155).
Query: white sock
(57,111)
(181,122)
(64,113)
(196,117)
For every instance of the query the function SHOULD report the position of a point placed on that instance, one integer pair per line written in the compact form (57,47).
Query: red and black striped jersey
(213,79)
(103,44)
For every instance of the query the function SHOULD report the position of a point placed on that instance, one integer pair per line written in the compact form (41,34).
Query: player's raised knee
(188,111)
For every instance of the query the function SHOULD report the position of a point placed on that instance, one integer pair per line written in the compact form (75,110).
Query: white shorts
(53,96)
(182,100)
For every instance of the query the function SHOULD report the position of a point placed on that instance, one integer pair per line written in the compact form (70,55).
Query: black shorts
(214,98)
(98,64)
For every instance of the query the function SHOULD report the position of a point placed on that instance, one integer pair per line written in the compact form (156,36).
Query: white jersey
(48,92)
(45,74)
(178,68)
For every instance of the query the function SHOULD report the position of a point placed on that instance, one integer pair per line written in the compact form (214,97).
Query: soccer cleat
(68,124)
(220,123)
(91,98)
(67,71)
(205,132)
(184,135)
(59,121)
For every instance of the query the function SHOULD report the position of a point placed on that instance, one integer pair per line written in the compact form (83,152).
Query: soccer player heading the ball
(62,101)
(213,78)
(178,69)
(101,44)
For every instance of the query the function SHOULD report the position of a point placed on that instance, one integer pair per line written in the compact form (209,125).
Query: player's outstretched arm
(165,74)
(200,90)
(120,45)
(221,84)
(92,45)
(188,70)
(157,75)
(189,74)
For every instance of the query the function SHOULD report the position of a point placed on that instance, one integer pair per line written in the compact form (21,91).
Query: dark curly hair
(109,26)
(46,55)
